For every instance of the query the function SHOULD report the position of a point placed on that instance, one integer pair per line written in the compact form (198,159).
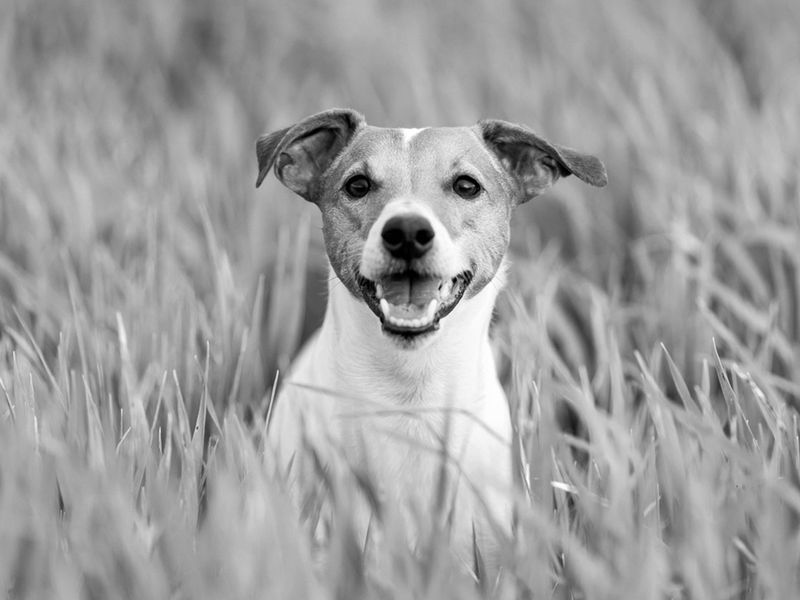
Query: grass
(650,334)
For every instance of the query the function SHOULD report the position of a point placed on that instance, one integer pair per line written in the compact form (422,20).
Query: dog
(400,379)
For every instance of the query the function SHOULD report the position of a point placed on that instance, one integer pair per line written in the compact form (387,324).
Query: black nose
(408,236)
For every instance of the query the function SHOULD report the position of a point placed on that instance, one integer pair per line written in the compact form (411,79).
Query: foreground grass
(650,337)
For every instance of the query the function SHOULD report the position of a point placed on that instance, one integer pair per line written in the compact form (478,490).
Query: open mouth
(411,304)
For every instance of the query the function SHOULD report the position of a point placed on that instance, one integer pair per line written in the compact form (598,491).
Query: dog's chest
(442,450)
(405,453)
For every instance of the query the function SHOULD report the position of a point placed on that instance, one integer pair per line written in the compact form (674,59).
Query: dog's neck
(353,356)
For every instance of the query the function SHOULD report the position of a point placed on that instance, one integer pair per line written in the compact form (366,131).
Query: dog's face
(416,221)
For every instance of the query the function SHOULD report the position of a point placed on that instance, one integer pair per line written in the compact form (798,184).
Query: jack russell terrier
(400,379)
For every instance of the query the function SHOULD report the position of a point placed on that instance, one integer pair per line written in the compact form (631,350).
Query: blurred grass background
(148,294)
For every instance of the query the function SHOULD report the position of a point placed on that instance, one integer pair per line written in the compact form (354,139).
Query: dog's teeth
(379,291)
(445,288)
(423,321)
(431,310)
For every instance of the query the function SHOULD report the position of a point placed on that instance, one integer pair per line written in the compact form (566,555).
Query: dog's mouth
(410,304)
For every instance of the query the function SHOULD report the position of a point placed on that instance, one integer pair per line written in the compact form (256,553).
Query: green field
(650,331)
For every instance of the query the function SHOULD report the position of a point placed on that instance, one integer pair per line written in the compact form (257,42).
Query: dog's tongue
(410,290)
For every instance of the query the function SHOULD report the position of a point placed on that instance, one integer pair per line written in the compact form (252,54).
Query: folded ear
(303,152)
(533,162)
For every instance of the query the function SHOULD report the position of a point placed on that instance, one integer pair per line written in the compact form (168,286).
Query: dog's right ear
(303,152)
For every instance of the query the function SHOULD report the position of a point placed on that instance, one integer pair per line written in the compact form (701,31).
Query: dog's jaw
(415,316)
(357,325)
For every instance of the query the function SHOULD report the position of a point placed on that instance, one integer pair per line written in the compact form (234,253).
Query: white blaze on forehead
(409,133)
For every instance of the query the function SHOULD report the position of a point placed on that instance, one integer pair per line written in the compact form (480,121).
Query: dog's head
(416,221)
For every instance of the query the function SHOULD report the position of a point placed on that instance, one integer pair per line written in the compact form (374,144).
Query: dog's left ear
(303,152)
(533,162)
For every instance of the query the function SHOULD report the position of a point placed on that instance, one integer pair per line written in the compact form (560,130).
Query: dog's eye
(357,186)
(466,187)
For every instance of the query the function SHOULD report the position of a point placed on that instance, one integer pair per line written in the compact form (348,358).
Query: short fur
(392,403)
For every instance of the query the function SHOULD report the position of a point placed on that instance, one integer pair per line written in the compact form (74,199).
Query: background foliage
(650,335)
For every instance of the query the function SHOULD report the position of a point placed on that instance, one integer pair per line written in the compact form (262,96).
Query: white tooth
(446,287)
(378,291)
(385,308)
(431,310)
(414,323)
